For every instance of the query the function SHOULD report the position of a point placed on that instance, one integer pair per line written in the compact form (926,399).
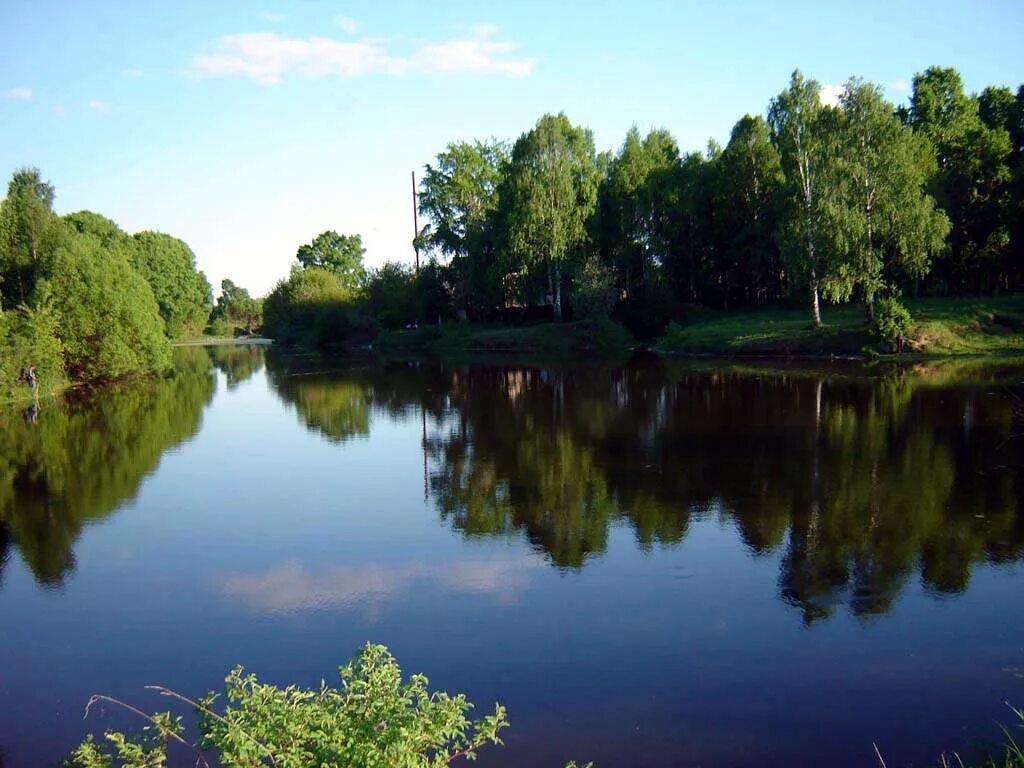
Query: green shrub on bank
(311,307)
(374,719)
(29,338)
(892,322)
(595,290)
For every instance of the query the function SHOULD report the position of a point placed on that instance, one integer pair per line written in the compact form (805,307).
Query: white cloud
(478,54)
(268,58)
(57,109)
(272,17)
(18,94)
(900,86)
(100,107)
(830,94)
(347,24)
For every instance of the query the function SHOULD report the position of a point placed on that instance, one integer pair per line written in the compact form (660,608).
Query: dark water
(651,564)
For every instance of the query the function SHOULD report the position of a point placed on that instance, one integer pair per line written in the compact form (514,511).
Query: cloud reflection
(291,587)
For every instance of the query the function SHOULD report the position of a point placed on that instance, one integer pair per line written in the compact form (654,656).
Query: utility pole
(415,224)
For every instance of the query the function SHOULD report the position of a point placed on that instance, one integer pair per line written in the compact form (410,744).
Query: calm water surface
(651,564)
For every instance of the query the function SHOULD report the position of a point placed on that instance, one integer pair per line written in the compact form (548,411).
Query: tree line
(80,299)
(808,202)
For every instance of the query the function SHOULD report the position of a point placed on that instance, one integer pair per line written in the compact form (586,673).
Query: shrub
(892,322)
(594,294)
(310,307)
(375,719)
(29,338)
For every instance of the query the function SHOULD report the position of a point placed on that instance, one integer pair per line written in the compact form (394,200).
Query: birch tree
(552,194)
(880,223)
(795,118)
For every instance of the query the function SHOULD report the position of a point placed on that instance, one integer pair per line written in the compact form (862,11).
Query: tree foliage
(551,193)
(972,177)
(460,194)
(182,292)
(797,121)
(72,304)
(879,224)
(237,307)
(342,255)
(313,306)
(28,231)
(107,317)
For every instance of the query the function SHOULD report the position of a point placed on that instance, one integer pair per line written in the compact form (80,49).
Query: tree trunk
(815,304)
(558,291)
(869,304)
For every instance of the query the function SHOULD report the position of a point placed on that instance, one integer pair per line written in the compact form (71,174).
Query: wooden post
(415,224)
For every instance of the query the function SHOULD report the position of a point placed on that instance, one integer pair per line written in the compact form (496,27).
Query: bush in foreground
(374,719)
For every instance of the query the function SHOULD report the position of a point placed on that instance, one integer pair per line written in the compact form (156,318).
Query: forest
(858,201)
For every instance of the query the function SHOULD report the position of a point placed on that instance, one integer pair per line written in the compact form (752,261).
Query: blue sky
(246,128)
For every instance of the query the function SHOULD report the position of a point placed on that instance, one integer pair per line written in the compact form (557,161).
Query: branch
(96,697)
(174,694)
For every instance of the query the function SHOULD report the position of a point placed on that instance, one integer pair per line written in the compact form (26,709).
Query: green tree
(971,179)
(182,292)
(640,197)
(552,191)
(107,317)
(795,117)
(236,306)
(341,255)
(391,295)
(460,195)
(748,184)
(90,223)
(28,232)
(880,223)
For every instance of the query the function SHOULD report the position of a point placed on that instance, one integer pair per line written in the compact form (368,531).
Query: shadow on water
(860,478)
(67,463)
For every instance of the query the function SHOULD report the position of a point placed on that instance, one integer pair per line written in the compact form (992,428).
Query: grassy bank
(562,339)
(953,326)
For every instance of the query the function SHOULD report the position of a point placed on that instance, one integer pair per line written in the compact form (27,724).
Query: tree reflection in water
(77,460)
(859,480)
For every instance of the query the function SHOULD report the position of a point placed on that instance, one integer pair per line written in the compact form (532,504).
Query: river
(649,563)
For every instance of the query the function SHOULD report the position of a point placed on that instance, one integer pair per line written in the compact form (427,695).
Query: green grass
(1009,755)
(993,325)
(561,339)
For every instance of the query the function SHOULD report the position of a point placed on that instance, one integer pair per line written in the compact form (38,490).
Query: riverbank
(222,341)
(562,339)
(946,327)
(941,327)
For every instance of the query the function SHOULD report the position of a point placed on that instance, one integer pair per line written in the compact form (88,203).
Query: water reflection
(860,480)
(67,463)
(293,588)
(238,362)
